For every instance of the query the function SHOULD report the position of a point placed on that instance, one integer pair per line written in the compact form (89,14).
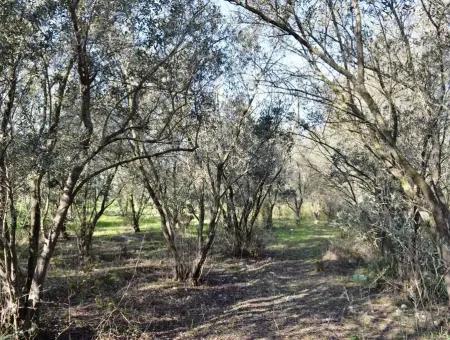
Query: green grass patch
(307,239)
(289,233)
(111,225)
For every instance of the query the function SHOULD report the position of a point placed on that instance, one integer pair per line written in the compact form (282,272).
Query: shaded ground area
(127,293)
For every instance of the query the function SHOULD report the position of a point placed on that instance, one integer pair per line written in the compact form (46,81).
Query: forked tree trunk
(34,294)
(203,249)
(89,219)
(197,267)
(298,210)
(135,214)
(136,227)
(181,272)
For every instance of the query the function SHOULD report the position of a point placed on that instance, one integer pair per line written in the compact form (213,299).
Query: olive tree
(89,206)
(260,152)
(380,69)
(79,79)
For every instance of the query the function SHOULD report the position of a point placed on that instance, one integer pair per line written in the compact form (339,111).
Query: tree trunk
(439,211)
(9,270)
(442,219)
(43,261)
(64,232)
(445,251)
(197,267)
(298,210)
(35,226)
(86,234)
(134,214)
(268,215)
(181,270)
(297,213)
(136,227)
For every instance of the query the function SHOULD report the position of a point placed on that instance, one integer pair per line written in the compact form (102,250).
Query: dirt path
(280,296)
(284,296)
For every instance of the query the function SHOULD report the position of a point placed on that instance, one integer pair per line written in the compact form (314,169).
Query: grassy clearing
(291,234)
(111,225)
(307,240)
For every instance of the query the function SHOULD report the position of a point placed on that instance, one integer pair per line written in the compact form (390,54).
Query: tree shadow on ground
(279,296)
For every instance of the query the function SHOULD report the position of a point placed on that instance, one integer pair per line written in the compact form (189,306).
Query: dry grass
(127,293)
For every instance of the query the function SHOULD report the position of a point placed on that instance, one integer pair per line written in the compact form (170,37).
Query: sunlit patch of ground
(127,292)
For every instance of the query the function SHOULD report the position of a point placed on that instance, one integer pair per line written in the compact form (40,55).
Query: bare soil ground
(127,293)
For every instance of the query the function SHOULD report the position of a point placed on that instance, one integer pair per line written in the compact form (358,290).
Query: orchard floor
(127,293)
